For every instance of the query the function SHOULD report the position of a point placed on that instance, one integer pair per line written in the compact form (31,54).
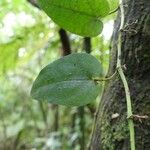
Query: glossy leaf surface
(68,81)
(82,17)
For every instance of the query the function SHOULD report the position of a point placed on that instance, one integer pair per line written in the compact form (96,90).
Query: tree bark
(111,131)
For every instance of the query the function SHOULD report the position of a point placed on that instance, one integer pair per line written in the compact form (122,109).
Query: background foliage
(29,41)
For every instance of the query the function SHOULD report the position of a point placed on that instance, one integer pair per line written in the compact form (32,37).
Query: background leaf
(68,81)
(78,16)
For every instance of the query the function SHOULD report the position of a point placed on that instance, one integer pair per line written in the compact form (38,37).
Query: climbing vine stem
(125,83)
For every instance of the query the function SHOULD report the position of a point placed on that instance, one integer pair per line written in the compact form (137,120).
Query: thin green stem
(125,83)
(105,79)
(129,108)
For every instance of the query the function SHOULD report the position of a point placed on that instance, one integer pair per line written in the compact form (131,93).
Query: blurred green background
(29,40)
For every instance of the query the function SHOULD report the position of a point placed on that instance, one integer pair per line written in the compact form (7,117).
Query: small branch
(87,44)
(81,110)
(57,117)
(82,127)
(65,42)
(125,83)
(138,117)
(44,115)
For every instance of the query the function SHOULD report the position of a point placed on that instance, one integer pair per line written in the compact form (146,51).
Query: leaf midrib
(80,12)
(74,80)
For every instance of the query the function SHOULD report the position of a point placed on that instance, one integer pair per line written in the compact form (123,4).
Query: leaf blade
(68,81)
(79,17)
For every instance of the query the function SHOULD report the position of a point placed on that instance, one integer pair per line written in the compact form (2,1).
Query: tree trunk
(111,131)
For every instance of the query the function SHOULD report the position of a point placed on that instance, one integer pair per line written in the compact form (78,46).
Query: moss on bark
(112,133)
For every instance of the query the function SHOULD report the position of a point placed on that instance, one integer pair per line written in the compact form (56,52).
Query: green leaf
(114,4)
(81,17)
(69,81)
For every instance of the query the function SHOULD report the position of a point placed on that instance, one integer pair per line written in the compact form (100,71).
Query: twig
(87,46)
(65,42)
(139,117)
